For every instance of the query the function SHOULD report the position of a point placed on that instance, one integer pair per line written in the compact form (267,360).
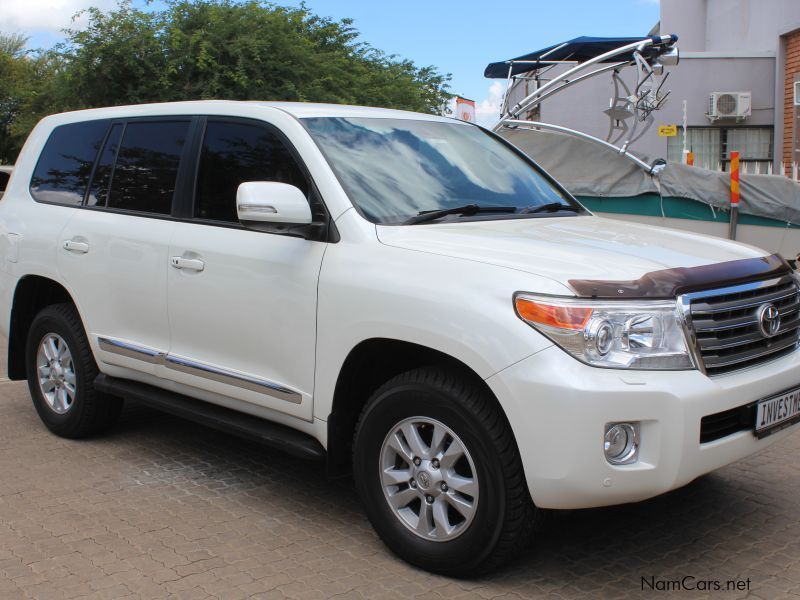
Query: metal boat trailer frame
(650,55)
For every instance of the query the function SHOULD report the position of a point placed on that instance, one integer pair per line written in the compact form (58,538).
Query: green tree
(242,51)
(202,49)
(29,90)
(15,75)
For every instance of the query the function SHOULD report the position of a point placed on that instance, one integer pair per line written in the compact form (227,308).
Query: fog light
(621,443)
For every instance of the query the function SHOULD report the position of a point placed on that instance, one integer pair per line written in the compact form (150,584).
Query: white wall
(687,18)
(729,25)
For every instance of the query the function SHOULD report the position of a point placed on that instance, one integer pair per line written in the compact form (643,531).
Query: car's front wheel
(438,471)
(61,371)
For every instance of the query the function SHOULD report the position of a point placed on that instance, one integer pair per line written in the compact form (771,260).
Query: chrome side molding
(247,382)
(198,369)
(128,350)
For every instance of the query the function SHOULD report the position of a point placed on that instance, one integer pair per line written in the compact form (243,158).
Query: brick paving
(164,508)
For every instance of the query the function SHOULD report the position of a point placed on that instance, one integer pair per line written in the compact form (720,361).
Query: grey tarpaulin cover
(587,169)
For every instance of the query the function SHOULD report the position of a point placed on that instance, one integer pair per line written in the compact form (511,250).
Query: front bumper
(558,409)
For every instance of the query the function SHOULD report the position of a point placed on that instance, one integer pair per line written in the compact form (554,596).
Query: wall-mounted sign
(667,130)
(465,109)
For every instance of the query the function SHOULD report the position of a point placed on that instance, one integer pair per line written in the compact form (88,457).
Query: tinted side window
(147,166)
(64,167)
(4,177)
(233,153)
(98,189)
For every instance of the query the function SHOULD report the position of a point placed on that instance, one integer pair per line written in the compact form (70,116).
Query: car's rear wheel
(438,471)
(61,371)
(56,373)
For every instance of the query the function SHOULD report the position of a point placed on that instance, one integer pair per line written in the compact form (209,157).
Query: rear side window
(62,173)
(146,168)
(98,189)
(233,153)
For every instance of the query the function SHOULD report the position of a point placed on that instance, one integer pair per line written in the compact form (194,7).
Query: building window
(712,147)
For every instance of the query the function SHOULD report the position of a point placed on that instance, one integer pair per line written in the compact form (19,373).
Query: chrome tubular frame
(534,97)
(512,117)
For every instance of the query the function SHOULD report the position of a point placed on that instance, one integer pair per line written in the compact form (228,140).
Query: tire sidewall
(50,321)
(418,400)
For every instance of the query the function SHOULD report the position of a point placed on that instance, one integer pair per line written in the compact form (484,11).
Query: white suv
(406,296)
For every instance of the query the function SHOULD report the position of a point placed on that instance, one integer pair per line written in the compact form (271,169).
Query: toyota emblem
(769,319)
(423,479)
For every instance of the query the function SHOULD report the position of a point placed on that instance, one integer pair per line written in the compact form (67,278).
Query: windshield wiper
(551,207)
(465,211)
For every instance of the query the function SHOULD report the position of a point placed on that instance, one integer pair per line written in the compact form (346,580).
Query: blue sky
(462,36)
(459,37)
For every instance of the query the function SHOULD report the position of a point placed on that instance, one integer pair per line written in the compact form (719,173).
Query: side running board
(240,424)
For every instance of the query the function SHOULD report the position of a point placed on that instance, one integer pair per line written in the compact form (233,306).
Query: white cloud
(31,17)
(487,110)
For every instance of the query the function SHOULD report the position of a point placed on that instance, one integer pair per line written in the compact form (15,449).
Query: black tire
(90,412)
(504,514)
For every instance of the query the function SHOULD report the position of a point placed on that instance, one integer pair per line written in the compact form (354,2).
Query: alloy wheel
(56,373)
(429,479)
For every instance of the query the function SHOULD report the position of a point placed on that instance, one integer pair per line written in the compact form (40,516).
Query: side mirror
(271,202)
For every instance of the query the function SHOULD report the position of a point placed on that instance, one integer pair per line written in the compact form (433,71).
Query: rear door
(114,252)
(242,308)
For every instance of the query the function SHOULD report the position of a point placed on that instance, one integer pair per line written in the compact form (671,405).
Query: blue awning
(579,49)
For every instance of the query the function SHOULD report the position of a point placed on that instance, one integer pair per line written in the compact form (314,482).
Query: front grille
(726,324)
(725,423)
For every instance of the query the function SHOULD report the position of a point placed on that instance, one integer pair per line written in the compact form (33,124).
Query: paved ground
(161,507)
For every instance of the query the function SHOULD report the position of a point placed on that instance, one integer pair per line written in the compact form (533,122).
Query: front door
(242,304)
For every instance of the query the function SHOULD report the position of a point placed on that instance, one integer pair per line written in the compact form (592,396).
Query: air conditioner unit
(729,105)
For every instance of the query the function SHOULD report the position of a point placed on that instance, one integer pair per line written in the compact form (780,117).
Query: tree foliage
(20,80)
(225,49)
(201,49)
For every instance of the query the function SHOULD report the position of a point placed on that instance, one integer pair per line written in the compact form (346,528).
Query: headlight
(617,335)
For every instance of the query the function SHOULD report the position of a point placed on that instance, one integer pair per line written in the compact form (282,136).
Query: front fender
(455,306)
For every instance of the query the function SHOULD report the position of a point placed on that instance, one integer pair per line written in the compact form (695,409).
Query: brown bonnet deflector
(668,283)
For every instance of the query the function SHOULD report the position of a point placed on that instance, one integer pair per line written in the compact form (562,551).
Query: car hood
(569,248)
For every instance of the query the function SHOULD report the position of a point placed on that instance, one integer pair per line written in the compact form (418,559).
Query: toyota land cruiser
(405,296)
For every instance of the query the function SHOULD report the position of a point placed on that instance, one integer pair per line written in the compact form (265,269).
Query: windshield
(394,169)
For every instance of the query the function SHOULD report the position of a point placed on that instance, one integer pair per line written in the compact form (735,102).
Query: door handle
(73,246)
(190,264)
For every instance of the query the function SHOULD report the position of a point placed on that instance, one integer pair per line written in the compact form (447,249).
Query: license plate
(778,412)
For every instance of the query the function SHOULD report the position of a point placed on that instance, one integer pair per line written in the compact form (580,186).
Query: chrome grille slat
(752,336)
(750,355)
(703,325)
(728,306)
(726,329)
(751,322)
